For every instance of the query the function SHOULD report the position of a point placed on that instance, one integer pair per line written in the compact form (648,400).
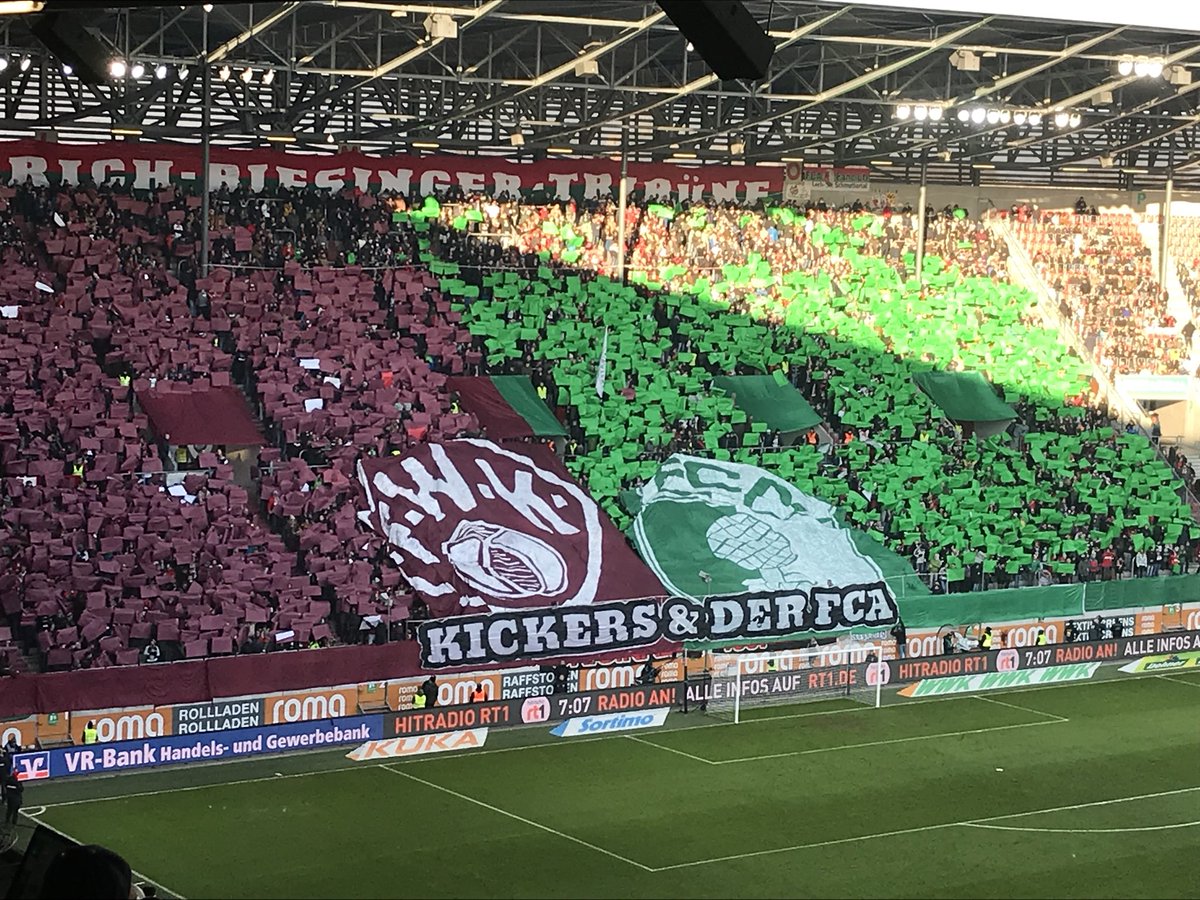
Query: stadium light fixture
(425,145)
(160,71)
(20,7)
(281,138)
(881,162)
(920,113)
(1154,68)
(268,77)
(564,150)
(936,113)
(1061,119)
(3,63)
(737,148)
(1074,120)
(993,116)
(1019,117)
(26,62)
(978,114)
(1125,66)
(117,68)
(1035,118)
(964,115)
(247,75)
(903,111)
(224,72)
(67,70)
(137,70)
(184,71)
(1005,117)
(126,130)
(207,7)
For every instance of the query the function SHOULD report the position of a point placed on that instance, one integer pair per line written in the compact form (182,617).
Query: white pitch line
(918,830)
(700,759)
(1132,799)
(885,743)
(1036,712)
(830,843)
(1195,684)
(138,875)
(504,812)
(201,787)
(1174,827)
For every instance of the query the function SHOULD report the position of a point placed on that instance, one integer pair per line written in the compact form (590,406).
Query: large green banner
(708,527)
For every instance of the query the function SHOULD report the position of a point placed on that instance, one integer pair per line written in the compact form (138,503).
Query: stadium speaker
(68,38)
(725,35)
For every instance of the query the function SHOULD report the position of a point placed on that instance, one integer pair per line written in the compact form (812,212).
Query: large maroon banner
(480,528)
(145,165)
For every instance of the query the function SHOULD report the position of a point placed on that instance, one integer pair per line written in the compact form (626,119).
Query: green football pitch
(1086,790)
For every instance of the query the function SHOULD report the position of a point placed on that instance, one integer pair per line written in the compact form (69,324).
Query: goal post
(740,681)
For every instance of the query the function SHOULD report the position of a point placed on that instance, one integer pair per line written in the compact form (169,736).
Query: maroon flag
(477,528)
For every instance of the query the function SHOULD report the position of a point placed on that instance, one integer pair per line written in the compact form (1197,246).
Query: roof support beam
(253,31)
(837,91)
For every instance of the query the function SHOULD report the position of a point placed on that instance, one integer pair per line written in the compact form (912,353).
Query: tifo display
(420,474)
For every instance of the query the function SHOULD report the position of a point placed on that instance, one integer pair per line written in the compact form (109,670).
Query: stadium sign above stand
(147,166)
(588,630)
(801,182)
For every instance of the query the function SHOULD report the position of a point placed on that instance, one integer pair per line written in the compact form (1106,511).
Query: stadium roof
(586,78)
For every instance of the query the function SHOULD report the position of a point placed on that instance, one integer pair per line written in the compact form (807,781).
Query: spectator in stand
(1102,274)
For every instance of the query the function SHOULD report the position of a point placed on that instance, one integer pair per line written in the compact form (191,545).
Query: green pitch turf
(1089,790)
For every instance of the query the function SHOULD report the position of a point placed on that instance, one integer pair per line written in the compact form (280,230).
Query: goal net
(740,681)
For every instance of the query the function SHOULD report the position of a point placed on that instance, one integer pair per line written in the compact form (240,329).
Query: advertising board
(120,756)
(844,672)
(219,715)
(518,711)
(593,725)
(395,748)
(995,681)
(130,724)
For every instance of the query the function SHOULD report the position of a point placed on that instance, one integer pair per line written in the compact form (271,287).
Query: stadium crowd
(1102,273)
(325,309)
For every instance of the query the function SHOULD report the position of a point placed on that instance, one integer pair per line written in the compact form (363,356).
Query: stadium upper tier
(342,318)
(1103,276)
(1183,244)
